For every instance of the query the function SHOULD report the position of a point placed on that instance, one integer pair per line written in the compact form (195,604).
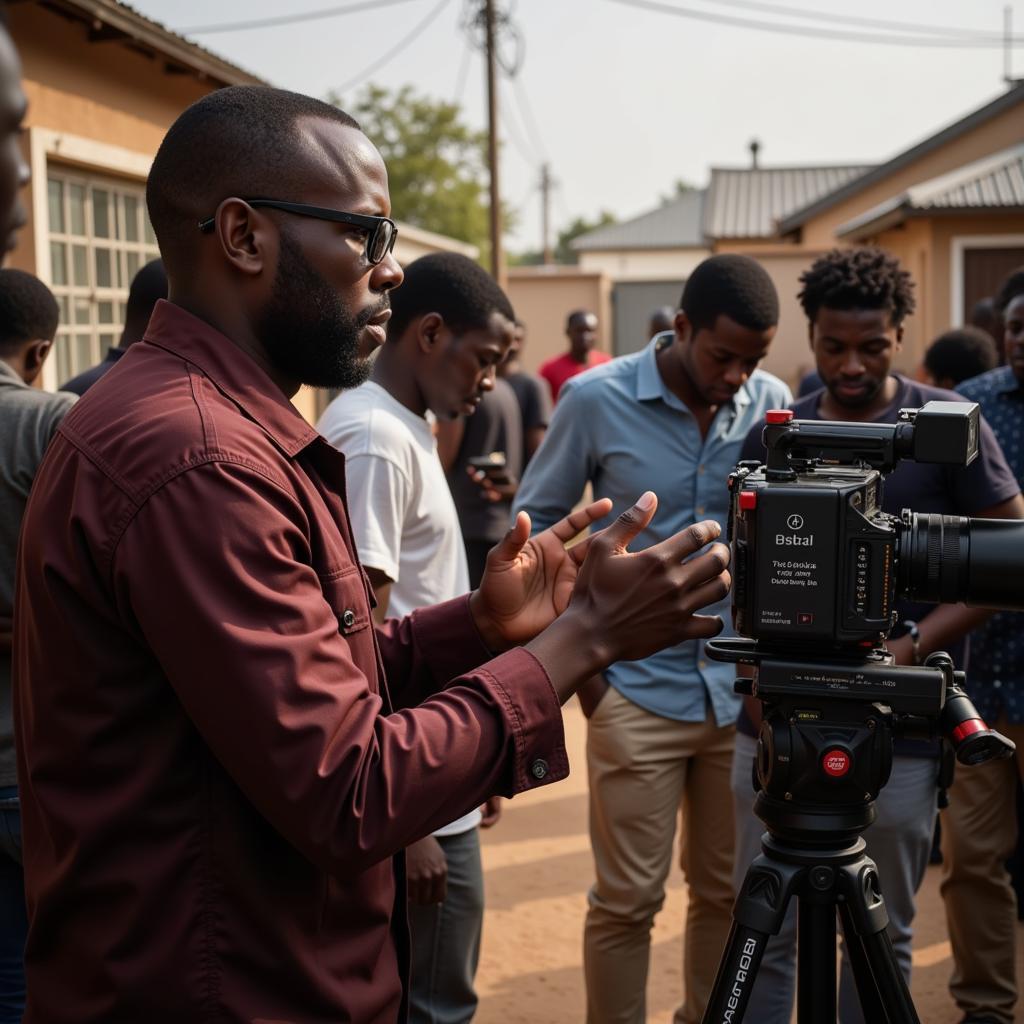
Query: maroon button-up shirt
(216,780)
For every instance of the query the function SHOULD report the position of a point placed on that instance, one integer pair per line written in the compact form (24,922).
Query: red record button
(836,763)
(748,500)
(778,415)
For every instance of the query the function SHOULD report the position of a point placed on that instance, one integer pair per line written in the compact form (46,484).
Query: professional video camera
(817,568)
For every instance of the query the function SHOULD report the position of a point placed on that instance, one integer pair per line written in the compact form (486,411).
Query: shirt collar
(9,376)
(649,382)
(232,371)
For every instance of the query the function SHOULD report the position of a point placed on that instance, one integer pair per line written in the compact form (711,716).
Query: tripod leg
(816,961)
(883,991)
(758,914)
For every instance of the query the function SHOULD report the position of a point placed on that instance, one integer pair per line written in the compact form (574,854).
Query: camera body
(817,564)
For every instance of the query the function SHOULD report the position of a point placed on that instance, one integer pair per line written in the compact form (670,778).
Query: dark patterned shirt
(996,679)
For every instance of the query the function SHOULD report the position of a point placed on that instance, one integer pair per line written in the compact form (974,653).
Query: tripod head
(826,740)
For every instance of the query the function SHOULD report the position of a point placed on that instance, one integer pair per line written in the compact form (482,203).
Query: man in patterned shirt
(979,829)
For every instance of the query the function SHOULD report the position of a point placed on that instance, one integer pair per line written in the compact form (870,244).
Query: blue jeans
(446,939)
(13,917)
(899,842)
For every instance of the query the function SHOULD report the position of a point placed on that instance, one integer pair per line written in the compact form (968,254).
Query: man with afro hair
(660,730)
(856,302)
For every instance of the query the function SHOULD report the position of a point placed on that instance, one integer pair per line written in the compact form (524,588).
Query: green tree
(680,188)
(437,165)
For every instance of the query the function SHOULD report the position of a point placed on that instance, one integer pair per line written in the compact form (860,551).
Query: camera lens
(953,559)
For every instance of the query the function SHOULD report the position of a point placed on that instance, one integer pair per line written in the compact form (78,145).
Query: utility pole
(497,252)
(546,184)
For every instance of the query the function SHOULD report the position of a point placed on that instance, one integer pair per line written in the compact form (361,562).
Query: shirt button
(348,618)
(700,469)
(702,664)
(700,510)
(539,768)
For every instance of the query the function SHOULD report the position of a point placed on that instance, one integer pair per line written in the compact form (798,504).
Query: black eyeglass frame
(374,225)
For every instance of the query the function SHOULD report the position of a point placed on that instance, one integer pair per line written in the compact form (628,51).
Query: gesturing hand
(529,580)
(426,870)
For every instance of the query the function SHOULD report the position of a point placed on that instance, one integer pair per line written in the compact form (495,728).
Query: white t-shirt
(403,518)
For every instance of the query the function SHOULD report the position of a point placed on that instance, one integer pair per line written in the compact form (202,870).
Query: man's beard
(308,333)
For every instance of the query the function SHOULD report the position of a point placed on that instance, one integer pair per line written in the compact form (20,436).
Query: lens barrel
(953,559)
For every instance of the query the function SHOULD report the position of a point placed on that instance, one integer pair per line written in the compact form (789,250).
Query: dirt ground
(538,868)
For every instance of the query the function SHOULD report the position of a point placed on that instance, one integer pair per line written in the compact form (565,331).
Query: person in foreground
(660,731)
(222,759)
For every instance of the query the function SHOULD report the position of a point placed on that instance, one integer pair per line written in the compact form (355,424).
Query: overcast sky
(623,100)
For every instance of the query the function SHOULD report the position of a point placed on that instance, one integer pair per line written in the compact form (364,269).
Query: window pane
(133,260)
(55,196)
(79,265)
(62,348)
(76,202)
(80,308)
(105,312)
(117,214)
(104,273)
(107,341)
(148,229)
(101,212)
(82,353)
(62,302)
(58,264)
(131,218)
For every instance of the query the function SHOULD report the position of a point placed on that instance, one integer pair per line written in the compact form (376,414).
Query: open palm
(529,580)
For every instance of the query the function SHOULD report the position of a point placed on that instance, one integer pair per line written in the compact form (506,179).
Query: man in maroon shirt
(222,758)
(581,330)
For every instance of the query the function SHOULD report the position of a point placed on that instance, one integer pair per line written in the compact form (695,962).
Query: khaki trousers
(979,831)
(643,770)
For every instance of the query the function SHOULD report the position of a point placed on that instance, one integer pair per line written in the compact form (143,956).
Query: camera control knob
(778,416)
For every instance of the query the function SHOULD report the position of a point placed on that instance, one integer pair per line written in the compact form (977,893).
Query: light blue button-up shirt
(620,428)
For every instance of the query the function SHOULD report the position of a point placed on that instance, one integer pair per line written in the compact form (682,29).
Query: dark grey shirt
(28,420)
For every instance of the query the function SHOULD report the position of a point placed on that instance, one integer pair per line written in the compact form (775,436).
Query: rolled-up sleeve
(215,569)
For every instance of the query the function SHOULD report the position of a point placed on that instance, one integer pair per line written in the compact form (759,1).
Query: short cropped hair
(28,311)
(734,286)
(232,142)
(452,285)
(1009,290)
(864,278)
(961,354)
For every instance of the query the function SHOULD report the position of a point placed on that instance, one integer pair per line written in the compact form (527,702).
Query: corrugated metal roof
(749,202)
(1007,101)
(676,225)
(993,183)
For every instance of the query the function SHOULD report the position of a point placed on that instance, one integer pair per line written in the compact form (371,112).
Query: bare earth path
(538,869)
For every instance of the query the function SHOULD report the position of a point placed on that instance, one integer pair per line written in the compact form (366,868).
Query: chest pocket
(345,591)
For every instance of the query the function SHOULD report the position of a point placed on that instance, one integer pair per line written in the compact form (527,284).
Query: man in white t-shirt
(450,327)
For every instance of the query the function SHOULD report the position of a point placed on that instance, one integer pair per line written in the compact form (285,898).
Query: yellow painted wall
(542,299)
(644,264)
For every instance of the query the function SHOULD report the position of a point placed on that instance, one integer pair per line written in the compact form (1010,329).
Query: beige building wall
(1002,131)
(643,264)
(542,298)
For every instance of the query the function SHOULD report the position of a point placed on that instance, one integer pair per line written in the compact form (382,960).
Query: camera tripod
(826,872)
(824,754)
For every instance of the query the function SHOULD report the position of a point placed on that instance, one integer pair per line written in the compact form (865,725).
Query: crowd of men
(262,684)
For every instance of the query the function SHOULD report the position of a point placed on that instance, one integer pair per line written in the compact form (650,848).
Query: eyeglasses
(381,232)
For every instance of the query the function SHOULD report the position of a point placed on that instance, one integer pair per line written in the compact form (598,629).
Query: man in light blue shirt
(671,418)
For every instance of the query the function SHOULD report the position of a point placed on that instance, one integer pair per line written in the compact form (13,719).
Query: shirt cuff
(535,715)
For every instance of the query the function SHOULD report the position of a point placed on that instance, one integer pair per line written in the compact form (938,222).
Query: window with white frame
(99,235)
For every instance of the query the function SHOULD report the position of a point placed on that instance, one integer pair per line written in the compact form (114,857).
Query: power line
(526,113)
(460,78)
(518,141)
(288,19)
(396,49)
(814,33)
(851,19)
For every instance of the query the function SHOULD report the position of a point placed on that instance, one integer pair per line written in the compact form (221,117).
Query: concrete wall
(542,298)
(644,264)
